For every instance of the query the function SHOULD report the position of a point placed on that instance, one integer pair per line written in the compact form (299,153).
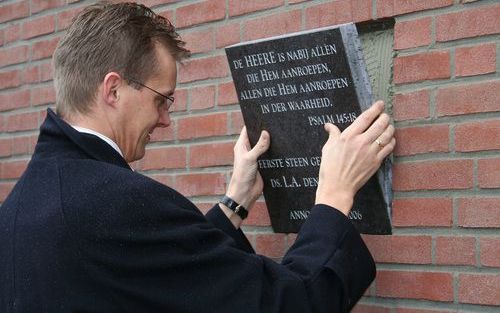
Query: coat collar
(56,135)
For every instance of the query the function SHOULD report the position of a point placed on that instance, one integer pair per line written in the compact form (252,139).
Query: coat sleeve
(220,220)
(151,252)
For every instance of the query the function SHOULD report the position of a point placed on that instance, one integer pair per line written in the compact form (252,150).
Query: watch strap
(235,207)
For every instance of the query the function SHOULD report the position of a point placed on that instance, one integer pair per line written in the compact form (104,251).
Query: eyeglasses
(167,100)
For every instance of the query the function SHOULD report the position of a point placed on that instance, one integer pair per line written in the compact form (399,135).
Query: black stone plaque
(291,86)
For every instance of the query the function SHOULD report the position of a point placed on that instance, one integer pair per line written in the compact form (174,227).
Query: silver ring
(379,143)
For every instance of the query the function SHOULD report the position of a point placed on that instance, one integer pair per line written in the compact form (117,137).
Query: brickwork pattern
(444,254)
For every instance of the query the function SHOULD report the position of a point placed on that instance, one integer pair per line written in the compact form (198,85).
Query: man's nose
(164,120)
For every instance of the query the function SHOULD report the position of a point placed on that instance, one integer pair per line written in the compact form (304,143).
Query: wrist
(340,200)
(243,198)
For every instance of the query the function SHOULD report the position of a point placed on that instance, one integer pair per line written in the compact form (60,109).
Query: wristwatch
(235,206)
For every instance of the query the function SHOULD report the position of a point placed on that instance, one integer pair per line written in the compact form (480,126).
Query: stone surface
(291,86)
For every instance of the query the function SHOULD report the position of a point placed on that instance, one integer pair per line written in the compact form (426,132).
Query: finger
(386,150)
(377,128)
(242,143)
(332,130)
(384,138)
(365,119)
(261,146)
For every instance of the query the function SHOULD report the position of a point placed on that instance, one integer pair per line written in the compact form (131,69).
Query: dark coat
(82,232)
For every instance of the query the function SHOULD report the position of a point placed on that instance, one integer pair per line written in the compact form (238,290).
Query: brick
(10,79)
(181,99)
(46,72)
(14,11)
(412,310)
(258,216)
(226,35)
(205,68)
(43,95)
(326,14)
(422,212)
(212,154)
(479,212)
(416,140)
(272,25)
(199,41)
(469,98)
(227,94)
(5,147)
(14,99)
(13,55)
(168,14)
(423,66)
(31,74)
(161,158)
(204,207)
(39,26)
(202,97)
(469,23)
(5,189)
(433,175)
(478,136)
(167,180)
(236,123)
(22,121)
(417,285)
(490,252)
(13,169)
(34,141)
(270,245)
(411,34)
(13,33)
(411,106)
(65,18)
(291,238)
(488,174)
(456,250)
(21,145)
(361,10)
(365,308)
(240,7)
(202,12)
(151,3)
(202,126)
(400,249)
(41,5)
(386,8)
(479,289)
(201,184)
(165,134)
(44,49)
(475,60)
(2,37)
(338,12)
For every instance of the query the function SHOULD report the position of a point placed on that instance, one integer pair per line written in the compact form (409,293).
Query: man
(82,232)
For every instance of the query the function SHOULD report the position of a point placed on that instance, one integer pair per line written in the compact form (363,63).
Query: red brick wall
(445,251)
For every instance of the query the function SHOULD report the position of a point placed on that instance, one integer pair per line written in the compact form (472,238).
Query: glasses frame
(169,98)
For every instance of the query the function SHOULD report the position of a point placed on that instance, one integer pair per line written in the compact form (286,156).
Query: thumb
(333,131)
(261,146)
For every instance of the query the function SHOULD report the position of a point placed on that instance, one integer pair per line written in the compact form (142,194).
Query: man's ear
(111,88)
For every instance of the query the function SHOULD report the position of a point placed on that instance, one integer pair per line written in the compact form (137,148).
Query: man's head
(109,53)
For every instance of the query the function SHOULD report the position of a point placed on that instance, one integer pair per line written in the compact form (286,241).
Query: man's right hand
(350,158)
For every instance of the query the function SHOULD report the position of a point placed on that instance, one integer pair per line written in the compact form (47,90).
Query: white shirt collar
(105,138)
